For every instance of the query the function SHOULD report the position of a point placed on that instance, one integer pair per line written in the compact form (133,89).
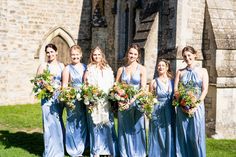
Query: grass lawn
(21,134)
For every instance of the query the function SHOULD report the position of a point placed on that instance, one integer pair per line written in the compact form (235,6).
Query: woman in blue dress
(190,131)
(131,124)
(161,126)
(102,135)
(51,109)
(76,123)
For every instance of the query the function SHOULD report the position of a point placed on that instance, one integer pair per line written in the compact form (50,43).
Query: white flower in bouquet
(78,97)
(155,101)
(86,101)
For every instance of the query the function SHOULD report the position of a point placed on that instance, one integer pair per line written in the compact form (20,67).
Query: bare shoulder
(180,71)
(153,82)
(203,71)
(142,68)
(61,65)
(42,66)
(120,69)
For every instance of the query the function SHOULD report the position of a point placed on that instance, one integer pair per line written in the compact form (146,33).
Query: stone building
(161,27)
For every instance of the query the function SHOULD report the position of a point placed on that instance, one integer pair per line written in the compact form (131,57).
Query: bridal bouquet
(146,101)
(91,95)
(69,96)
(120,94)
(186,98)
(45,85)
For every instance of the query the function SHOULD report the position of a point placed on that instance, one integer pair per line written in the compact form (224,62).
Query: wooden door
(62,49)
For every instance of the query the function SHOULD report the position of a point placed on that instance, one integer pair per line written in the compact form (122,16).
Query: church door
(62,49)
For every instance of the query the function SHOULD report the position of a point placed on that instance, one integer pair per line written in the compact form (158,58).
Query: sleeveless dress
(190,131)
(52,122)
(102,135)
(161,130)
(76,123)
(131,126)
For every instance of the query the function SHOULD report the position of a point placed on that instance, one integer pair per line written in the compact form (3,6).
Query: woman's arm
(118,75)
(86,77)
(177,80)
(152,86)
(40,69)
(143,78)
(65,77)
(205,83)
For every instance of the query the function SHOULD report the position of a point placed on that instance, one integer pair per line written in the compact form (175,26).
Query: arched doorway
(62,49)
(63,41)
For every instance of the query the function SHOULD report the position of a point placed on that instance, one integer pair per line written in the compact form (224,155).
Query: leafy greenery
(21,134)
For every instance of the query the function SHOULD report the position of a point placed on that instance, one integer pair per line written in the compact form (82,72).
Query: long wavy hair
(136,47)
(169,71)
(103,62)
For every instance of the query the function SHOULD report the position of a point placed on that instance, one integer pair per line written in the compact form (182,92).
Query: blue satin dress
(76,123)
(131,124)
(190,131)
(52,123)
(161,126)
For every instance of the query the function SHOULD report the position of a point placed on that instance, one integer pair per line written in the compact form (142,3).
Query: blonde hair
(103,62)
(169,71)
(76,48)
(136,47)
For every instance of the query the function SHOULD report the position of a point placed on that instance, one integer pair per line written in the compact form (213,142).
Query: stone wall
(209,49)
(151,50)
(220,60)
(189,25)
(104,36)
(24,25)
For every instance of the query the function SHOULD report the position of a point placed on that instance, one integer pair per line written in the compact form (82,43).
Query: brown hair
(77,48)
(103,63)
(169,71)
(189,49)
(134,46)
(51,46)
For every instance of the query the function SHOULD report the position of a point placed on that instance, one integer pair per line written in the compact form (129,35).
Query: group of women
(171,133)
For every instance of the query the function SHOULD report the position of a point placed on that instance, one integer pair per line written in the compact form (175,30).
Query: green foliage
(21,116)
(221,148)
(21,134)
(146,101)
(44,85)
(91,94)
(68,96)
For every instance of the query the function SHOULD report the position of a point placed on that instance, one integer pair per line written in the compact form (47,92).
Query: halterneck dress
(190,131)
(131,124)
(161,126)
(76,122)
(52,121)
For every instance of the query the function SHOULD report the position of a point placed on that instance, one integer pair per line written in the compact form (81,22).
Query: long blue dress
(76,124)
(161,130)
(52,122)
(190,131)
(131,124)
(102,136)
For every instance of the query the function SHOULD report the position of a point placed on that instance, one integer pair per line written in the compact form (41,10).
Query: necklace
(164,80)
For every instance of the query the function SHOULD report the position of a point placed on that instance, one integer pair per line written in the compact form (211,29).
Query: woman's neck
(132,64)
(52,62)
(76,64)
(191,66)
(163,76)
